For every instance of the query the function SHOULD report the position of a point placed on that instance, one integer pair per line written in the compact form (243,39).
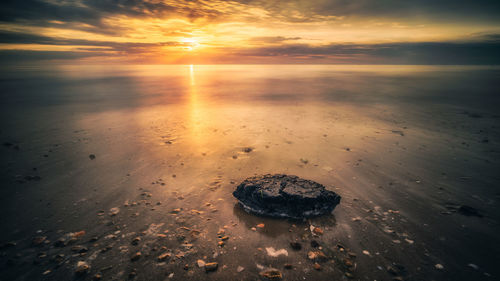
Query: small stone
(316,255)
(46,272)
(365,252)
(271,274)
(247,149)
(240,268)
(164,256)
(186,266)
(136,256)
(38,240)
(318,231)
(439,266)
(176,211)
(97,276)
(253,229)
(79,249)
(225,238)
(348,262)
(296,246)
(349,275)
(317,266)
(314,244)
(114,211)
(136,240)
(473,266)
(82,267)
(200,263)
(211,266)
(132,274)
(221,243)
(261,225)
(92,156)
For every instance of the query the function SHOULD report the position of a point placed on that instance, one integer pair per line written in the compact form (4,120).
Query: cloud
(16,56)
(273,39)
(393,53)
(459,10)
(11,37)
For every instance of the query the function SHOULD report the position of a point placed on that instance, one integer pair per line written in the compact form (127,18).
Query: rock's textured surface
(285,196)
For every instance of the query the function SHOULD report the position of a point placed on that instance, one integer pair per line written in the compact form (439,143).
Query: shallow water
(404,146)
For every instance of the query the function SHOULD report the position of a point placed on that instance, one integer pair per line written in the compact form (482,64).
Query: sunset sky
(251,31)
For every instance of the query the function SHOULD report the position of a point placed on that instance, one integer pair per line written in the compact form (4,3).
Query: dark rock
(211,266)
(469,211)
(314,244)
(295,245)
(285,196)
(92,156)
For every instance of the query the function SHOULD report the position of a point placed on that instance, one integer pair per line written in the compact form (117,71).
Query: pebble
(38,240)
(82,267)
(439,266)
(136,240)
(317,266)
(316,255)
(240,268)
(261,225)
(471,265)
(79,249)
(132,274)
(211,266)
(271,274)
(365,252)
(164,256)
(318,231)
(136,256)
(201,263)
(114,211)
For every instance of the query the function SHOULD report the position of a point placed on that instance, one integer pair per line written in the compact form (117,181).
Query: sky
(251,31)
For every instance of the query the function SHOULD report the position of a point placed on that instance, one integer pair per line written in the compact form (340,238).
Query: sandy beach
(131,169)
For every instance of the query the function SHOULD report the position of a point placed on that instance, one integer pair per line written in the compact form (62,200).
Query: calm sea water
(95,88)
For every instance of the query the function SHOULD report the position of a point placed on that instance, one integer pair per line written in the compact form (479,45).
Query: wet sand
(405,146)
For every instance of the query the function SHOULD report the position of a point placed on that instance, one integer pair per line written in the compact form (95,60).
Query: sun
(189,43)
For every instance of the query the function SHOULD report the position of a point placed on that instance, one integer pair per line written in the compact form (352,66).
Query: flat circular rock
(285,196)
